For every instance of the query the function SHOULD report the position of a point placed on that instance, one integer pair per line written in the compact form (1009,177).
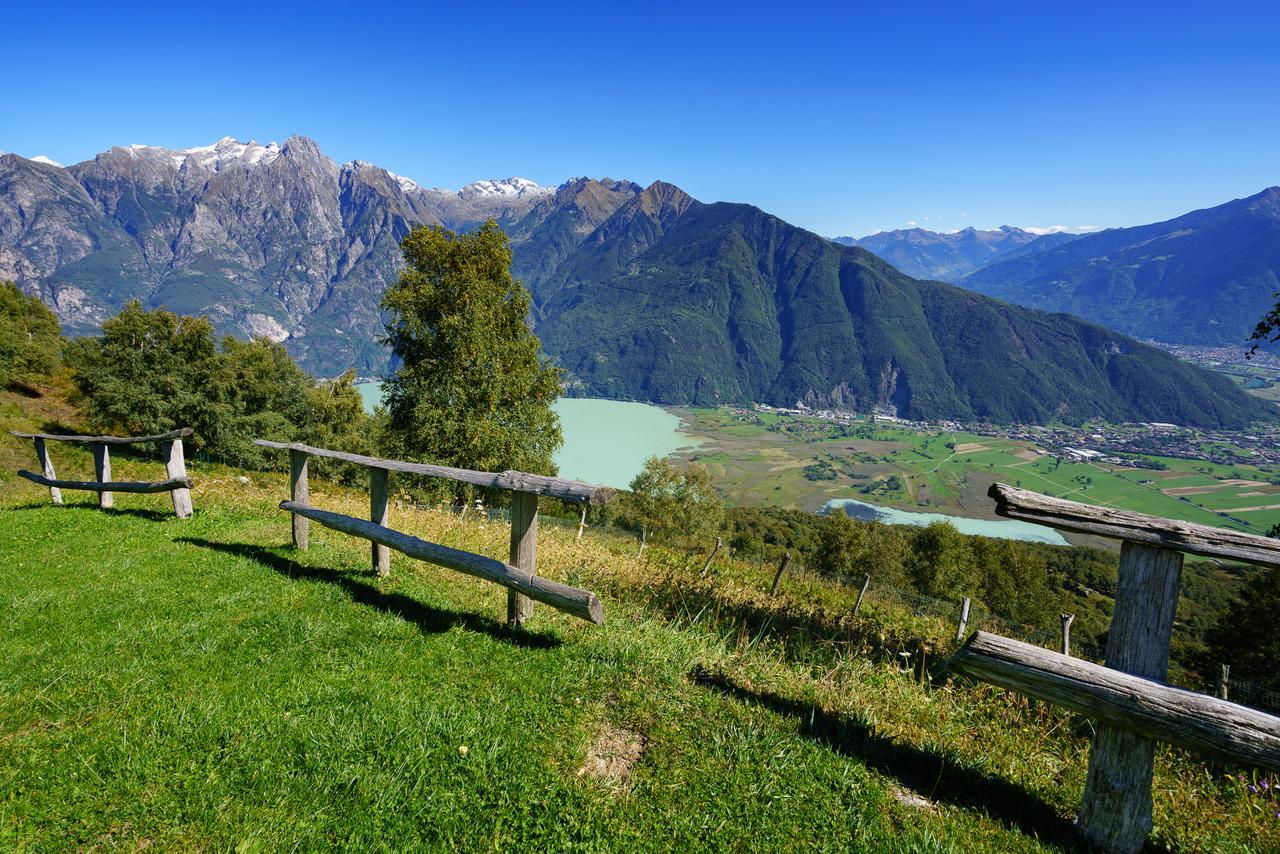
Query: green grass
(197,684)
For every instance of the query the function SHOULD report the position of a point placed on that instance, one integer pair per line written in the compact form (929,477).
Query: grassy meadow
(199,685)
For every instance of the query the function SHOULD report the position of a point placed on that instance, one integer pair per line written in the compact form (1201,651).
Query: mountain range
(640,292)
(1206,277)
(949,256)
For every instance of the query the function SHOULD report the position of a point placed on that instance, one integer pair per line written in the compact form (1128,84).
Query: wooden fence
(178,485)
(1128,697)
(519,576)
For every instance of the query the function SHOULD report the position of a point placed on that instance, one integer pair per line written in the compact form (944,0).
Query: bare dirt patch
(970,448)
(1235,482)
(1190,490)
(906,797)
(1247,509)
(613,756)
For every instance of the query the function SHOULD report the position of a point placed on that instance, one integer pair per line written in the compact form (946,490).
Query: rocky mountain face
(1206,277)
(639,292)
(948,256)
(273,240)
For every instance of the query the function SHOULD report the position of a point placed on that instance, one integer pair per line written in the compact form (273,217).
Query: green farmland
(804,462)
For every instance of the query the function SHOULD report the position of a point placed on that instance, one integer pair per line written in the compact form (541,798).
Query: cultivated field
(768,462)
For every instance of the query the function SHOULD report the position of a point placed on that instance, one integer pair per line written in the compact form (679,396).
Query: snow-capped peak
(508,187)
(406,184)
(214,157)
(40,158)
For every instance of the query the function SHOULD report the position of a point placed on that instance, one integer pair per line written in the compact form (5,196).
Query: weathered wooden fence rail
(178,485)
(1128,697)
(519,576)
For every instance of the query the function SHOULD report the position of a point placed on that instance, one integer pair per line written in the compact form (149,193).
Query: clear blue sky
(842,119)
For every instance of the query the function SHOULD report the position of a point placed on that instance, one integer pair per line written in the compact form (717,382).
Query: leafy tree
(153,371)
(1014,580)
(1245,636)
(671,500)
(30,345)
(472,388)
(148,373)
(943,564)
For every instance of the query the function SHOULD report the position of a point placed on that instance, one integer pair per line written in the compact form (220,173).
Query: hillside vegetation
(198,684)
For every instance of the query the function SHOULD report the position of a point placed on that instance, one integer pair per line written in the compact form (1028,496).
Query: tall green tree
(943,561)
(672,500)
(471,388)
(30,346)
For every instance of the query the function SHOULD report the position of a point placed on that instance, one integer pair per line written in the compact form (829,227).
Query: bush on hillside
(30,344)
(154,371)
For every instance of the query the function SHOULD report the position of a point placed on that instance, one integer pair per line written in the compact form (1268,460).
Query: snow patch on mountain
(513,188)
(215,157)
(40,158)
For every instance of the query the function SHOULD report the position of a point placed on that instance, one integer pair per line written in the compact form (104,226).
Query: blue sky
(844,119)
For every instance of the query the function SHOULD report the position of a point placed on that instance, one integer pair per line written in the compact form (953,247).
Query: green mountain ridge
(684,302)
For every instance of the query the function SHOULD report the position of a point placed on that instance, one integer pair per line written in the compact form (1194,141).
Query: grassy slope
(196,684)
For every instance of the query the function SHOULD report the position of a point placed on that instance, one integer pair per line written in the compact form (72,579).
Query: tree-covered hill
(681,302)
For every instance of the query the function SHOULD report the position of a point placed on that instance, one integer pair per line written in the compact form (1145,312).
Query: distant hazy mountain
(948,256)
(1203,278)
(639,292)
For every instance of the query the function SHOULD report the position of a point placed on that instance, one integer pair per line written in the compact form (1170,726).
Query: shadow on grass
(428,619)
(925,772)
(89,506)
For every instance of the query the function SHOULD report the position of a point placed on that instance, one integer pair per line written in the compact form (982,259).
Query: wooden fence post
(866,582)
(782,567)
(176,466)
(46,466)
(964,619)
(299,491)
(524,551)
(706,567)
(582,524)
(643,534)
(1066,633)
(102,472)
(1224,676)
(1116,814)
(378,516)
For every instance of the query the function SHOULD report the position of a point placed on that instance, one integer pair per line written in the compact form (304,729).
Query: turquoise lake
(1008,529)
(605,441)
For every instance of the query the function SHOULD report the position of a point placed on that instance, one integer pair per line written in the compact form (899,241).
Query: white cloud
(1059,229)
(911,224)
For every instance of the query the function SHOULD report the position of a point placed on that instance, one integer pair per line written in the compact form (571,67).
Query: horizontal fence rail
(571,600)
(1128,696)
(178,484)
(182,433)
(1205,724)
(553,487)
(519,575)
(1133,527)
